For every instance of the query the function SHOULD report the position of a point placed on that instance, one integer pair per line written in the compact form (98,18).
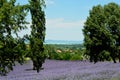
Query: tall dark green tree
(101,32)
(37,34)
(112,11)
(12,20)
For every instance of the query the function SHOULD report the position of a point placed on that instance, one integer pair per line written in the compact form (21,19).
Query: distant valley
(62,42)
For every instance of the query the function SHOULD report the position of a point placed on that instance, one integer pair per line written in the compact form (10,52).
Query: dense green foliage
(37,34)
(12,19)
(12,47)
(65,52)
(102,33)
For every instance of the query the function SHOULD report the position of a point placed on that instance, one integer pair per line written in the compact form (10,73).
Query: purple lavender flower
(66,70)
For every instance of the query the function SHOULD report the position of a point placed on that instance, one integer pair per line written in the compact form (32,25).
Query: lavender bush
(66,70)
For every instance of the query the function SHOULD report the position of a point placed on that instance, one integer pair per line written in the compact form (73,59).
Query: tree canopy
(12,20)
(102,33)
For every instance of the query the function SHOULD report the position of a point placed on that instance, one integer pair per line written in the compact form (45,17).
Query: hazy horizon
(63,42)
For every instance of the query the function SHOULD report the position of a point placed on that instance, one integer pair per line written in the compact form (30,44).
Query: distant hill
(62,42)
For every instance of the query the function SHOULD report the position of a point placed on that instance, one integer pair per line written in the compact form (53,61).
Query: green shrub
(64,56)
(60,52)
(76,57)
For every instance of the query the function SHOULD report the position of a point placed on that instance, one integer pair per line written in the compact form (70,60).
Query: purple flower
(66,70)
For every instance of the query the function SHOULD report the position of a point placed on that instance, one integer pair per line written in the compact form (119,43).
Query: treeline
(102,33)
(65,51)
(13,48)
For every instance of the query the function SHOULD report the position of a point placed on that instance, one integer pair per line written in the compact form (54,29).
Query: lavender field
(66,70)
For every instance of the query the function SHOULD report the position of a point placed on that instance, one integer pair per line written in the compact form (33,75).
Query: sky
(65,18)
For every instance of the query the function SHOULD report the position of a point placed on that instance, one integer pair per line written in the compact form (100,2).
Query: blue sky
(65,18)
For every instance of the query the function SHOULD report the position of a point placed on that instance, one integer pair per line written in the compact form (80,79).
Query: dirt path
(66,70)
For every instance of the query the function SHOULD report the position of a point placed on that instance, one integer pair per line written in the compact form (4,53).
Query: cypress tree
(37,33)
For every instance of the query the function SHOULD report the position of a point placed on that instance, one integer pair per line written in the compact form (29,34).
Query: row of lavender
(66,70)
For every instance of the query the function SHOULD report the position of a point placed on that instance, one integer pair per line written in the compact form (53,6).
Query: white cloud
(60,22)
(49,2)
(60,29)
